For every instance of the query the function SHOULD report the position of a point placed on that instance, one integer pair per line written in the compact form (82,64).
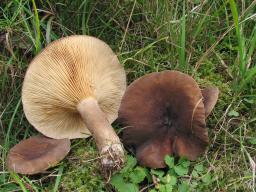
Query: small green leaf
(162,188)
(130,164)
(169,161)
(148,176)
(233,113)
(121,186)
(184,162)
(158,173)
(183,187)
(180,170)
(194,173)
(194,184)
(171,172)
(162,179)
(207,178)
(199,168)
(118,182)
(252,141)
(168,187)
(130,187)
(172,180)
(138,175)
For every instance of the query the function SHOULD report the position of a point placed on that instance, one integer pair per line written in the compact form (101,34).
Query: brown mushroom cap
(163,113)
(210,95)
(151,152)
(66,72)
(36,154)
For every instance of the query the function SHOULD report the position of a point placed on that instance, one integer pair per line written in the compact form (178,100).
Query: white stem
(101,130)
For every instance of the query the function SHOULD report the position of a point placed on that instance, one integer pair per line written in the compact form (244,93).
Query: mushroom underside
(73,89)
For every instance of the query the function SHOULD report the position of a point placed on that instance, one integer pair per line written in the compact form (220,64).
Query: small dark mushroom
(163,113)
(36,154)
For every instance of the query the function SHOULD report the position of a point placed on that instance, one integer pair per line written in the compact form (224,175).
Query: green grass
(214,41)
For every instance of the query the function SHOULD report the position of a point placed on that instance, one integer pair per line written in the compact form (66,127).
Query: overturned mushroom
(37,154)
(163,113)
(73,89)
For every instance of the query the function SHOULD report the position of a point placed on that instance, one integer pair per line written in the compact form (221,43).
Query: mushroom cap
(163,113)
(64,73)
(210,95)
(152,152)
(36,154)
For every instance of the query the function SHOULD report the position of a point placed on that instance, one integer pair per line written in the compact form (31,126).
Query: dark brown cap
(163,113)
(36,154)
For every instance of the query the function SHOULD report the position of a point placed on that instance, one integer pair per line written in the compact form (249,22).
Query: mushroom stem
(106,139)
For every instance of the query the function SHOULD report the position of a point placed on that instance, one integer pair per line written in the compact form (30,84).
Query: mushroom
(37,154)
(163,114)
(73,89)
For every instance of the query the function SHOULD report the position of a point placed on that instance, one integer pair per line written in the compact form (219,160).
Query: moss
(82,169)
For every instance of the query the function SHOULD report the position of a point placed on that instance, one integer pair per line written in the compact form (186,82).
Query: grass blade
(251,74)
(37,22)
(10,125)
(48,30)
(58,178)
(182,60)
(18,180)
(252,43)
(240,38)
